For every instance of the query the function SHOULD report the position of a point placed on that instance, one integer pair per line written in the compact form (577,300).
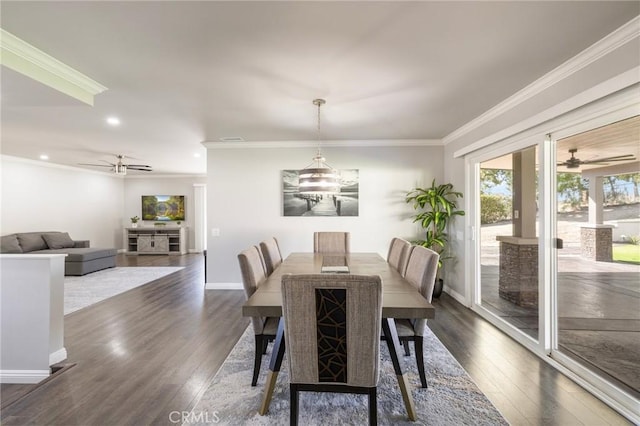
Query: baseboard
(223,286)
(23,376)
(58,356)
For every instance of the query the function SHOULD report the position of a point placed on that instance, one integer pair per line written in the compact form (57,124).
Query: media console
(156,240)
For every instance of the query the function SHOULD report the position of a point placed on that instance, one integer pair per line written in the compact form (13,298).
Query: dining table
(399,300)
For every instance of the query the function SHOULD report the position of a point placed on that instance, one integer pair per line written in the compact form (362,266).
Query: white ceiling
(180,73)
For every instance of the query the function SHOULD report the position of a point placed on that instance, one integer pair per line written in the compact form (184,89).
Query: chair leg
(373,407)
(265,344)
(417,346)
(407,352)
(293,411)
(258,359)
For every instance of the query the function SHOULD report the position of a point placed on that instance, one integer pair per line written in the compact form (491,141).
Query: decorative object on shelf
(318,177)
(159,224)
(436,206)
(119,167)
(134,221)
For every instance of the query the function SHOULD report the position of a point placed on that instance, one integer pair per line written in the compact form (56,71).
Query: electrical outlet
(516,214)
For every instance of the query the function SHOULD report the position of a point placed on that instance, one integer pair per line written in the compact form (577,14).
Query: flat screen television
(163,207)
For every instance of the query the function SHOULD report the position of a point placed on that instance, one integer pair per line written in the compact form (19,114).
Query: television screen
(163,207)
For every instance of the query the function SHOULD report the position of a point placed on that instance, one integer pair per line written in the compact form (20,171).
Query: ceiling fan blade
(142,169)
(137,165)
(606,161)
(616,158)
(97,165)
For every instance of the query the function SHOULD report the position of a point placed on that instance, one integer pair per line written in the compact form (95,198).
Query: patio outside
(598,302)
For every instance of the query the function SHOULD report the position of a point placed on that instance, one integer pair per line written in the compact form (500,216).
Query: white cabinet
(157,240)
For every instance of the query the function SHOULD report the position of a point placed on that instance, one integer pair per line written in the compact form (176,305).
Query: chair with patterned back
(332,329)
(253,274)
(399,251)
(331,242)
(271,253)
(422,268)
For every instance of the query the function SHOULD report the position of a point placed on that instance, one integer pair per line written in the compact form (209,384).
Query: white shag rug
(80,292)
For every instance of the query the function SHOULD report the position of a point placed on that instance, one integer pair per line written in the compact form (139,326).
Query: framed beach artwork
(342,202)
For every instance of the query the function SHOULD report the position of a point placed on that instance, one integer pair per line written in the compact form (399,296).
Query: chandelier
(318,177)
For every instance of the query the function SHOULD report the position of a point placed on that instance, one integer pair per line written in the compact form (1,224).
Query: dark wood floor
(153,350)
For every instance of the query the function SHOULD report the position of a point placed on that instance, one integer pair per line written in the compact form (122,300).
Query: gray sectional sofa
(81,259)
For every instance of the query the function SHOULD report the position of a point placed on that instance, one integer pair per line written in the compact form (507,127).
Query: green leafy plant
(135,219)
(436,206)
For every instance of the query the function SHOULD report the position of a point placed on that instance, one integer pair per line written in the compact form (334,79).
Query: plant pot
(134,225)
(437,288)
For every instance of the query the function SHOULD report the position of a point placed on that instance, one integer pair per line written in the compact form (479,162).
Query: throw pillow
(31,242)
(10,244)
(59,240)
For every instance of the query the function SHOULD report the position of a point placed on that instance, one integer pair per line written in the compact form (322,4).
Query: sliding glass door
(598,268)
(555,219)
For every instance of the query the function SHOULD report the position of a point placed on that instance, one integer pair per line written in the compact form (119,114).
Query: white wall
(38,196)
(244,188)
(136,186)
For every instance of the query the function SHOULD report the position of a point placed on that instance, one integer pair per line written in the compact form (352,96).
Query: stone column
(518,277)
(596,242)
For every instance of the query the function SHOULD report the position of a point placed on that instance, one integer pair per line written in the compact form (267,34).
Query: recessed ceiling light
(232,139)
(44,157)
(113,121)
(197,155)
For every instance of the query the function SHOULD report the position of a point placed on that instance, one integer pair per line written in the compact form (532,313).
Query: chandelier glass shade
(318,177)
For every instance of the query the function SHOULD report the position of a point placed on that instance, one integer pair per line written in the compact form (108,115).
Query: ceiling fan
(574,163)
(120,168)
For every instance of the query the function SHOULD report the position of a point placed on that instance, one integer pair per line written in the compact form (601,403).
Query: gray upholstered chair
(399,251)
(271,253)
(253,274)
(421,271)
(331,242)
(332,329)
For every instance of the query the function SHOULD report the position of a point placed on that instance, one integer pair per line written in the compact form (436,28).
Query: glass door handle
(557,243)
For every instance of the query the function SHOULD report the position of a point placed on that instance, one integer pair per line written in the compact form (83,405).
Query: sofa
(81,259)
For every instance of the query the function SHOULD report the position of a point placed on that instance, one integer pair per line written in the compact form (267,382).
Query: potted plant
(436,206)
(134,221)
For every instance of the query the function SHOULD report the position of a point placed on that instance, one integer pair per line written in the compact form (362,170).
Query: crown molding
(606,45)
(620,82)
(32,62)
(324,144)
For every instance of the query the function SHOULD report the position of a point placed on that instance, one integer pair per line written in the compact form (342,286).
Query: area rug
(80,292)
(451,398)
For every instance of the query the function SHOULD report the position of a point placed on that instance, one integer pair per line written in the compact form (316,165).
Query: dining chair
(421,271)
(331,242)
(271,253)
(253,274)
(332,329)
(399,251)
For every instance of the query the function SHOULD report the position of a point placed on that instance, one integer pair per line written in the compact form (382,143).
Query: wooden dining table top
(399,298)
